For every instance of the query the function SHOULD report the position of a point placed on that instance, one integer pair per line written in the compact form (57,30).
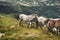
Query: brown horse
(57,25)
(53,25)
(50,25)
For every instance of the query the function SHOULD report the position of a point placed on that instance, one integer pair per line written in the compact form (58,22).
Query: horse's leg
(40,25)
(30,24)
(50,32)
(49,29)
(58,30)
(21,23)
(37,25)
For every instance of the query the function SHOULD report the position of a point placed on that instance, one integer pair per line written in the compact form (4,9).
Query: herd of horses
(51,23)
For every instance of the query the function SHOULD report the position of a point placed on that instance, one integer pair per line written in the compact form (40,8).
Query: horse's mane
(46,20)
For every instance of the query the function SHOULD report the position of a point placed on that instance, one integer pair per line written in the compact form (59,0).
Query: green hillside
(9,27)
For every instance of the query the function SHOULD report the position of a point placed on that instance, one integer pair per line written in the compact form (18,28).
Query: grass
(7,20)
(9,26)
(22,33)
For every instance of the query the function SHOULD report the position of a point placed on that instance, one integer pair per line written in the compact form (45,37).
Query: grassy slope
(9,26)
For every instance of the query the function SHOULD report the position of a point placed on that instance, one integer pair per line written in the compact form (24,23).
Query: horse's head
(35,15)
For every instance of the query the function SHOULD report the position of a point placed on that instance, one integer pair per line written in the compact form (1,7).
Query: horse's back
(54,23)
(41,18)
(23,16)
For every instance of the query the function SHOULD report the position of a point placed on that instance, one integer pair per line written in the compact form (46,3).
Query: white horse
(43,20)
(27,18)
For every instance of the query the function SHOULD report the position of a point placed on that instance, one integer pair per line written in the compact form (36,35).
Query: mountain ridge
(45,9)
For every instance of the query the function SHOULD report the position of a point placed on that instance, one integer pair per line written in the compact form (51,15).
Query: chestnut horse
(54,24)
(57,25)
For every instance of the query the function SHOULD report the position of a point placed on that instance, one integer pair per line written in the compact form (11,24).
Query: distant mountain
(33,2)
(48,8)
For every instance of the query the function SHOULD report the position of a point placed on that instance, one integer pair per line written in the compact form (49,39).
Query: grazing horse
(57,25)
(43,20)
(28,18)
(54,24)
(50,25)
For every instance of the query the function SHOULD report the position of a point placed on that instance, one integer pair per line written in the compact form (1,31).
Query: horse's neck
(35,19)
(46,21)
